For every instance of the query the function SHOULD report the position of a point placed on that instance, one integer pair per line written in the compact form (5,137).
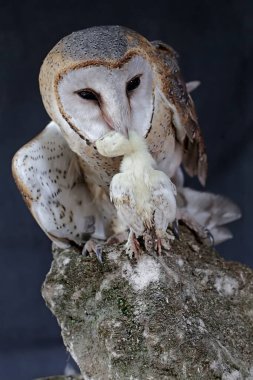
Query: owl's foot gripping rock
(92,247)
(95,247)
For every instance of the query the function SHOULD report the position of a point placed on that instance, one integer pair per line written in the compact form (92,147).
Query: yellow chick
(143,196)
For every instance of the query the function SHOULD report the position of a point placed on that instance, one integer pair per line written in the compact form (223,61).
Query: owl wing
(177,98)
(48,176)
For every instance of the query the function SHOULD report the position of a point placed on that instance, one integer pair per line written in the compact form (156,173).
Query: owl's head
(110,78)
(98,80)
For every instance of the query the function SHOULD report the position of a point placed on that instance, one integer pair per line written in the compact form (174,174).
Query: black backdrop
(214,40)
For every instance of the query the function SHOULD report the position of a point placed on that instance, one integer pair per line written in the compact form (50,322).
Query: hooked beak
(115,127)
(123,130)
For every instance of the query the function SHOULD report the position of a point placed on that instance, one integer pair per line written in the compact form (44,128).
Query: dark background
(214,40)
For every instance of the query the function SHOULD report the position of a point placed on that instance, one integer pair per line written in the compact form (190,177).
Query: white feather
(49,177)
(93,119)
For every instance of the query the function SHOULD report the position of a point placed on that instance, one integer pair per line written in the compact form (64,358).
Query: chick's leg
(133,248)
(163,241)
(157,240)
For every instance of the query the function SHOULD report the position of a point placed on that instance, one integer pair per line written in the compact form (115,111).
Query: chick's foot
(133,248)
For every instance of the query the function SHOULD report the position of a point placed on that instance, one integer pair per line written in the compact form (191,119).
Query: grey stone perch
(61,378)
(187,315)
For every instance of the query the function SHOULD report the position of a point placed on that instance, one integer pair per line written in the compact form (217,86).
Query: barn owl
(94,81)
(143,196)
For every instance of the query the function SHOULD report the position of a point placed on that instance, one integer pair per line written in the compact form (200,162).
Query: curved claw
(99,253)
(209,237)
(175,229)
(92,247)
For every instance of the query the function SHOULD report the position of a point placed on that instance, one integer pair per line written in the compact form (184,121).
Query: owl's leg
(133,248)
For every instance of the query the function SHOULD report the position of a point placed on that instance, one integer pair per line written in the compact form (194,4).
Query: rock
(61,378)
(185,315)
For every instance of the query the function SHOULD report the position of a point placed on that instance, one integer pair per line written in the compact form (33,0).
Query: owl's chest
(98,169)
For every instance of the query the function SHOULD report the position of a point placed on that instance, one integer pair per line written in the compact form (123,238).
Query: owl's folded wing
(174,93)
(47,174)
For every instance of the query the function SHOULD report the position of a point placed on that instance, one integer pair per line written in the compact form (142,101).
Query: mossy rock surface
(184,315)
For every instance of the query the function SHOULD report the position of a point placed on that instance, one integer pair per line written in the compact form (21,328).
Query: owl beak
(114,123)
(115,127)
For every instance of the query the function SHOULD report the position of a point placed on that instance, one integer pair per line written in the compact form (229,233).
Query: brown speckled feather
(174,88)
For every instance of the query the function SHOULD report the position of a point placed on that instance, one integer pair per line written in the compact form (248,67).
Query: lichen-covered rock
(185,315)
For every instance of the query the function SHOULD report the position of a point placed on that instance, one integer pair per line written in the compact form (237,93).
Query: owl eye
(87,95)
(133,83)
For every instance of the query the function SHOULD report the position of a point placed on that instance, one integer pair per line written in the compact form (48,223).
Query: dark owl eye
(87,95)
(133,83)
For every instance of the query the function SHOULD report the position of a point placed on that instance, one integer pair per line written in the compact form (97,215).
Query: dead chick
(143,196)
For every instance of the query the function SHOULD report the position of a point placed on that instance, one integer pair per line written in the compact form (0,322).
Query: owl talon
(90,248)
(99,253)
(210,237)
(175,229)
